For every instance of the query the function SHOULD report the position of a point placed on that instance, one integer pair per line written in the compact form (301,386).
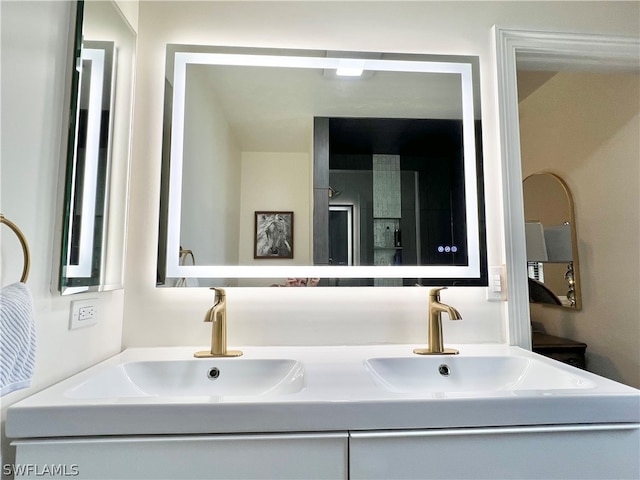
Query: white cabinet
(545,452)
(554,452)
(268,456)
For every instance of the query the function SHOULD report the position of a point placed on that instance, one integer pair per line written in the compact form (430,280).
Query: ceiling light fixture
(350,67)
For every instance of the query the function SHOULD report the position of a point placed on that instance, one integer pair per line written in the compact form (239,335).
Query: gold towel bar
(23,242)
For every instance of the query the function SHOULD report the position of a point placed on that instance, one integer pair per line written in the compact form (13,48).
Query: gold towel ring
(184,254)
(23,242)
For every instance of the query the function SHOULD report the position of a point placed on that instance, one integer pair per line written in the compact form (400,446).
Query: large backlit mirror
(289,167)
(97,171)
(552,249)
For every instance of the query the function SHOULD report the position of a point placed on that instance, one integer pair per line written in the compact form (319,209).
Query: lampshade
(558,240)
(536,245)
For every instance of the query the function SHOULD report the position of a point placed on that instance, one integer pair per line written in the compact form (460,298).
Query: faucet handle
(219,294)
(434,293)
(219,297)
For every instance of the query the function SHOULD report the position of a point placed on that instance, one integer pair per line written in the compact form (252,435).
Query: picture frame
(273,235)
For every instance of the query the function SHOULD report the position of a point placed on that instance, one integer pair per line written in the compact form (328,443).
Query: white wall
(164,317)
(129,9)
(210,172)
(276,182)
(586,128)
(34,46)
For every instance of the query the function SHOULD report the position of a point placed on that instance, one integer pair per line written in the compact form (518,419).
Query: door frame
(540,50)
(352,246)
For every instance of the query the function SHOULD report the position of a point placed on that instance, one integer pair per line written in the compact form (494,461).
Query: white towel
(17,338)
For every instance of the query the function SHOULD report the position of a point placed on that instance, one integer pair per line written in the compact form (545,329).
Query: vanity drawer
(503,452)
(571,358)
(561,349)
(265,456)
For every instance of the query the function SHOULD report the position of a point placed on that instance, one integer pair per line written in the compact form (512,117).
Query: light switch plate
(496,291)
(83,313)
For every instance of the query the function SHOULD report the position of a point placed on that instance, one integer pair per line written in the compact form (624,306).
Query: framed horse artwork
(273,235)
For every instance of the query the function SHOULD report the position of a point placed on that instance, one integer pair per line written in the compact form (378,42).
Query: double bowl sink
(165,391)
(271,377)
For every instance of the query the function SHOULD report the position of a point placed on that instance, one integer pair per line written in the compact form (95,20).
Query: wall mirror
(377,156)
(552,248)
(98,152)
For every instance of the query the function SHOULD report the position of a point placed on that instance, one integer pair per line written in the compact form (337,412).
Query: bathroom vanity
(493,411)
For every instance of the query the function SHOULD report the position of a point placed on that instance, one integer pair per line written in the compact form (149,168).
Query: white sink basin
(197,377)
(471,374)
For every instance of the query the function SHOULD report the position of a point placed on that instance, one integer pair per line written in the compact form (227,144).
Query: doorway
(341,235)
(553,51)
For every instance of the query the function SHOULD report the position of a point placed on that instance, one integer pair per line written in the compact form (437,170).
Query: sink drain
(213,373)
(444,370)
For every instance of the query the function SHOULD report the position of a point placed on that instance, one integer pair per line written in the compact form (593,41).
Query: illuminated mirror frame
(475,271)
(108,50)
(86,222)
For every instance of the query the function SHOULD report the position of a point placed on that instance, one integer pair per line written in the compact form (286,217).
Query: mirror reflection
(552,255)
(407,204)
(98,150)
(380,170)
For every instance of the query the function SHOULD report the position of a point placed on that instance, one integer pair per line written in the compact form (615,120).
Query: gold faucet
(217,315)
(436,345)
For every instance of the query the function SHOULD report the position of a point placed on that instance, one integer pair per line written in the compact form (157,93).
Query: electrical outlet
(83,313)
(86,313)
(496,291)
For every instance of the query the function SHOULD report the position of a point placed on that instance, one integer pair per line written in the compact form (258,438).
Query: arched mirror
(552,250)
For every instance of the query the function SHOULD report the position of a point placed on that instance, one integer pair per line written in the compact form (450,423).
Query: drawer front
(286,456)
(572,358)
(490,453)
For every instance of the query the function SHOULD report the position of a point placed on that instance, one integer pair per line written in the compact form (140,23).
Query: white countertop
(338,395)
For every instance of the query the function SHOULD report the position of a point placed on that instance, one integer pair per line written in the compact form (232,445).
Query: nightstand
(561,349)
